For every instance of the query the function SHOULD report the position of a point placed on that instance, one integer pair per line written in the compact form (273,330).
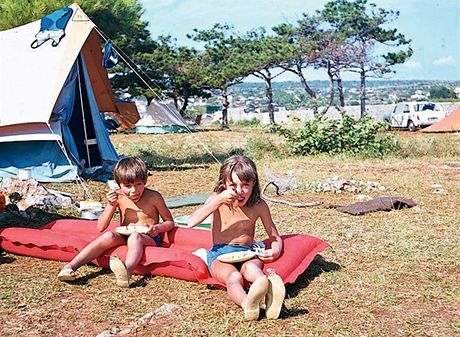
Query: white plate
(237,256)
(128,230)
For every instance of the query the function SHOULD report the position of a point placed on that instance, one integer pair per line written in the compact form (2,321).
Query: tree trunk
(307,88)
(225,104)
(331,87)
(269,95)
(184,106)
(149,100)
(362,92)
(340,90)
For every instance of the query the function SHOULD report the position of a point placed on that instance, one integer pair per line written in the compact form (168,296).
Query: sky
(432,25)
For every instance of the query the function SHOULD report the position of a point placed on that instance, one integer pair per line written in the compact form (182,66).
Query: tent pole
(83,113)
(86,191)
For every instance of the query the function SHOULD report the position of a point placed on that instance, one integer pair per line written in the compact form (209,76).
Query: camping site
(381,207)
(386,273)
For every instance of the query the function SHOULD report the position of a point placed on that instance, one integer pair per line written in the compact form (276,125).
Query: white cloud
(412,64)
(446,60)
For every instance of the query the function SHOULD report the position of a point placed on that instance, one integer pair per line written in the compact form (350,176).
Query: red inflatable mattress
(62,239)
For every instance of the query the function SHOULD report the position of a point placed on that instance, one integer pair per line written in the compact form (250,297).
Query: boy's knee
(134,237)
(108,236)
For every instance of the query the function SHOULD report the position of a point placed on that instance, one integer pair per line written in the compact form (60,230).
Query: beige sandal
(67,274)
(119,269)
(256,294)
(275,295)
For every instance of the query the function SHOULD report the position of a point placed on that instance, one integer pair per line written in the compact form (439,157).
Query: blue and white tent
(50,102)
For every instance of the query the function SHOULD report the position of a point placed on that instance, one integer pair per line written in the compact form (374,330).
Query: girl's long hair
(246,171)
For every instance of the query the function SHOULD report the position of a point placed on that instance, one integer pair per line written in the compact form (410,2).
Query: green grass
(387,273)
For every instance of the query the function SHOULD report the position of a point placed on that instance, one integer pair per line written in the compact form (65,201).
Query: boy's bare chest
(133,213)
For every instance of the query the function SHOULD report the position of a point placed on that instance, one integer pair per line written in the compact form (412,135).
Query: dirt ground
(386,274)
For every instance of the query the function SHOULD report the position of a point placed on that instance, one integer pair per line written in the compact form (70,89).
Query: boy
(138,206)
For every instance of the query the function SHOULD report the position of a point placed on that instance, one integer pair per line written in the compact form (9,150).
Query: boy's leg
(136,244)
(95,248)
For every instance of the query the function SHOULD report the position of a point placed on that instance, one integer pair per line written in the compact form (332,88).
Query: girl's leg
(228,274)
(252,270)
(95,248)
(233,279)
(136,244)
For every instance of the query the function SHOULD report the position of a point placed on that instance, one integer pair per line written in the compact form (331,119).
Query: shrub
(261,147)
(253,123)
(347,135)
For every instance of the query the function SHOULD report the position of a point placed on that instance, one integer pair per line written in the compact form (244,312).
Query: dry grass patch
(387,273)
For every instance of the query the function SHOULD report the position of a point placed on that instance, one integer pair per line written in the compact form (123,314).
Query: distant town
(290,95)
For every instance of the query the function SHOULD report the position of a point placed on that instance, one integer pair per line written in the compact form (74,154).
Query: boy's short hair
(129,169)
(245,169)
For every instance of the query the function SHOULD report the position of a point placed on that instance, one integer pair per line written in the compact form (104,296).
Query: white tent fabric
(161,117)
(26,87)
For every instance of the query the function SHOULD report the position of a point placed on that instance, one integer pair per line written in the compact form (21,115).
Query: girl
(236,205)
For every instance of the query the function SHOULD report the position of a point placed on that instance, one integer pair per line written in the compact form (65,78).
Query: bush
(253,123)
(340,136)
(261,147)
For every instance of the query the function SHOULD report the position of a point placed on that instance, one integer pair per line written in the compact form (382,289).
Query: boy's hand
(112,197)
(153,230)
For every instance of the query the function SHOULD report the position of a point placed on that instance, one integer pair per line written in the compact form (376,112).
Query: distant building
(419,96)
(457,91)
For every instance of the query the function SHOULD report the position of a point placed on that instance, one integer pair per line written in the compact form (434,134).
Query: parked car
(414,115)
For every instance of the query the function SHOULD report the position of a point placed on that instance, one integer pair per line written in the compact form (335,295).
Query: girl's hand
(228,196)
(268,255)
(112,198)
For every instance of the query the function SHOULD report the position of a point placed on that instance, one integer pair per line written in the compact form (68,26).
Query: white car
(413,115)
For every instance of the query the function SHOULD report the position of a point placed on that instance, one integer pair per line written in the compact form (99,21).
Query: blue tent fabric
(48,164)
(109,56)
(63,111)
(52,27)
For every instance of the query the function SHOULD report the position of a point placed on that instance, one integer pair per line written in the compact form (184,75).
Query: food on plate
(129,229)
(237,256)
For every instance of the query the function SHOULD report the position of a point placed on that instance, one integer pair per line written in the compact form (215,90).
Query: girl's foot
(275,295)
(256,294)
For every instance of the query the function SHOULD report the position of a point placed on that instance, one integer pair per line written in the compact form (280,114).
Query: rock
(26,193)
